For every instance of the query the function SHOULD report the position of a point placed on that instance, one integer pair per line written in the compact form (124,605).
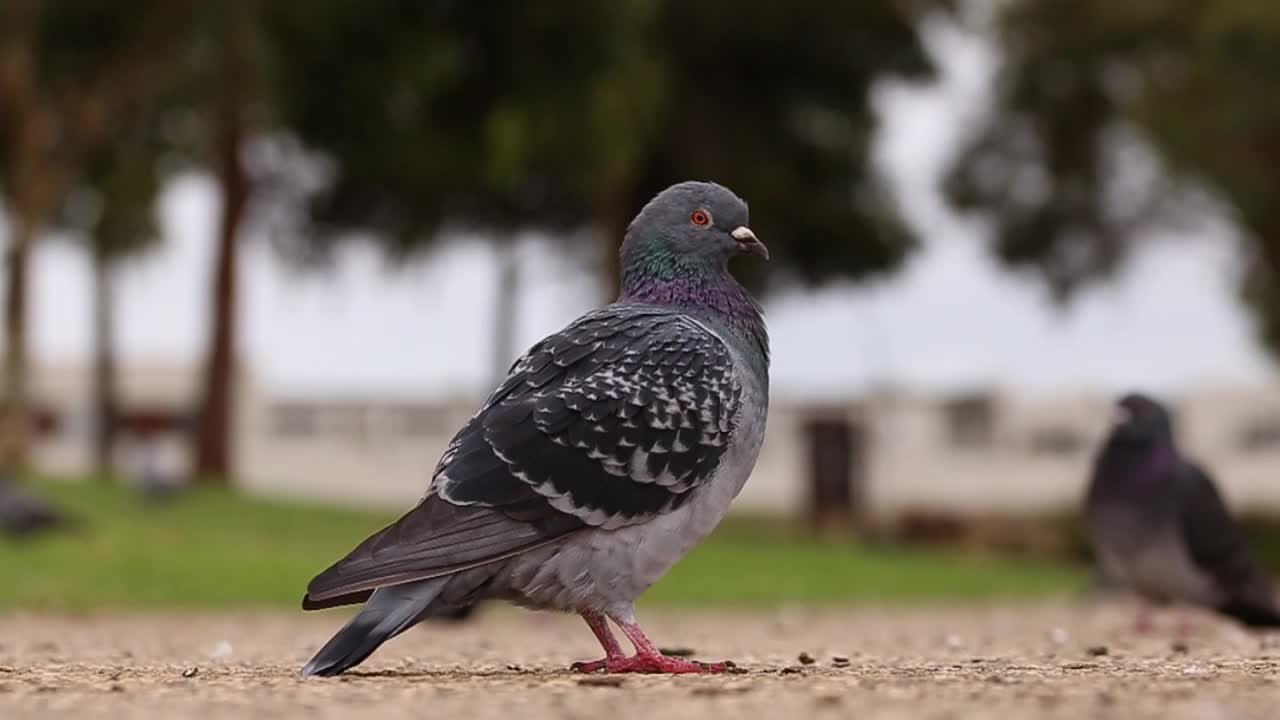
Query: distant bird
(157,484)
(1158,526)
(23,514)
(611,449)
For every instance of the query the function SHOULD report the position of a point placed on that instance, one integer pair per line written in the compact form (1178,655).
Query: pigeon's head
(687,229)
(1139,418)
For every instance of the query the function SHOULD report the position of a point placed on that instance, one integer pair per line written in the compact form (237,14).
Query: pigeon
(157,484)
(609,451)
(24,515)
(1159,527)
(455,615)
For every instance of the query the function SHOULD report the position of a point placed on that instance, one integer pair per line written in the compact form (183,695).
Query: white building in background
(884,454)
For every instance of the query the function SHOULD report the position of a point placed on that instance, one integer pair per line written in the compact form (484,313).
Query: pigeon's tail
(1252,614)
(388,612)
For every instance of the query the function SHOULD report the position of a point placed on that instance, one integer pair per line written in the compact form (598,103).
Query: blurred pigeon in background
(158,483)
(23,515)
(612,448)
(1159,527)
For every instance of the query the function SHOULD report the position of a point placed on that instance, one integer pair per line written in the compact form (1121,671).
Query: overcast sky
(951,319)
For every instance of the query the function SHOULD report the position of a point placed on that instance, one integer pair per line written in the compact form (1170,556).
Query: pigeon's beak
(748,242)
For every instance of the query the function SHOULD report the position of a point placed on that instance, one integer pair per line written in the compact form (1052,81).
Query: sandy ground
(1042,661)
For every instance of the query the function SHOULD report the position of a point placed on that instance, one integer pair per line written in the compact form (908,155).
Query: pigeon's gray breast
(606,569)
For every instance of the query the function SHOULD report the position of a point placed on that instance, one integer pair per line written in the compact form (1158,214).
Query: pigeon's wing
(1218,546)
(614,420)
(437,538)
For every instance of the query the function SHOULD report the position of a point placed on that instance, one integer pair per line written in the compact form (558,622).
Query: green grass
(214,549)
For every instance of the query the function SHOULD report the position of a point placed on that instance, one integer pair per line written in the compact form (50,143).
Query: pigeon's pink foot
(590,666)
(1185,626)
(1142,624)
(659,663)
(612,650)
(648,659)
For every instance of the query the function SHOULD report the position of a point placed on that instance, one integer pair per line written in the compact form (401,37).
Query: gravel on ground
(946,663)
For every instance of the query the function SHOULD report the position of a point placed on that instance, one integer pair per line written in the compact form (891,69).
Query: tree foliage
(555,115)
(495,116)
(1086,82)
(70,76)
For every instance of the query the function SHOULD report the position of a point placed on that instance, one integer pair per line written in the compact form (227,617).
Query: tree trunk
(104,365)
(506,299)
(16,420)
(217,411)
(31,180)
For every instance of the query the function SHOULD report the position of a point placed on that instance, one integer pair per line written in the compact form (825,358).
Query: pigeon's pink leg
(1185,624)
(612,650)
(648,659)
(1142,623)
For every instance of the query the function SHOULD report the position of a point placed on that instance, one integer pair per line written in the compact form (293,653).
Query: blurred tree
(772,99)
(224,99)
(1090,91)
(67,72)
(34,182)
(492,117)
(116,169)
(544,116)
(122,182)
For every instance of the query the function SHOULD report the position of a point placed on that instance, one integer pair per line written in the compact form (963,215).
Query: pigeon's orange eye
(700,217)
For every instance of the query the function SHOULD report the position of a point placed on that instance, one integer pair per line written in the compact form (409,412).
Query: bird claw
(653,664)
(591,666)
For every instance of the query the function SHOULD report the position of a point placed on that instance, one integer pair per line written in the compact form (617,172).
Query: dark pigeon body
(1159,527)
(610,450)
(24,515)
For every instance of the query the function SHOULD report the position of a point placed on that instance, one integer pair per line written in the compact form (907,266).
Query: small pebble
(117,687)
(840,661)
(1180,647)
(806,659)
(1097,650)
(791,670)
(190,672)
(604,681)
(682,652)
(715,690)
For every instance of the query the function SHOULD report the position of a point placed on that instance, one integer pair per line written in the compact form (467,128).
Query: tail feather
(388,612)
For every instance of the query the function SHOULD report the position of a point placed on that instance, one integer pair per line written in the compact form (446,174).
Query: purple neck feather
(712,294)
(1141,464)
